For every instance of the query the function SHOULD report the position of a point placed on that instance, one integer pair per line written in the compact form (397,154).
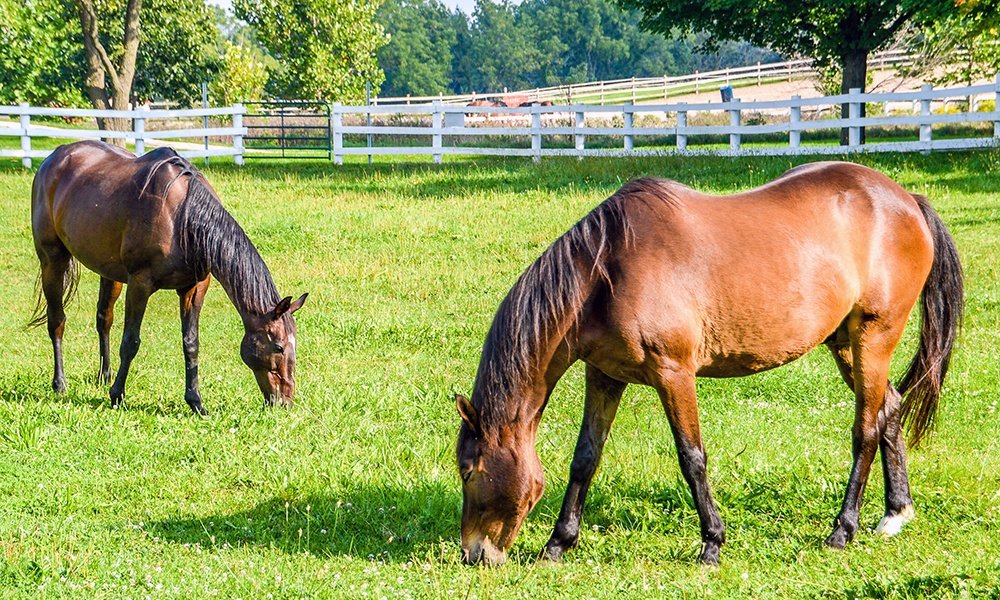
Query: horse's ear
(467,412)
(282,307)
(298,303)
(285,305)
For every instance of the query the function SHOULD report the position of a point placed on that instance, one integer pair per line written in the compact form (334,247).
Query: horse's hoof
(710,555)
(837,540)
(552,554)
(890,525)
(59,386)
(104,377)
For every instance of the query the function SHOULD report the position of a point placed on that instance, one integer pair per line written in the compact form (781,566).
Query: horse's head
(502,480)
(268,348)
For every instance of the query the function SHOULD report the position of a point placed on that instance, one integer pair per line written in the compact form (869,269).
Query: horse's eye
(466,475)
(280,349)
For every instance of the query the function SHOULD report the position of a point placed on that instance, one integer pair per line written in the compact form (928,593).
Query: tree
(843,32)
(243,75)
(326,48)
(418,58)
(502,50)
(109,85)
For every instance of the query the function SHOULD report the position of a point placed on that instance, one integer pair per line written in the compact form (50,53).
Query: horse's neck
(246,279)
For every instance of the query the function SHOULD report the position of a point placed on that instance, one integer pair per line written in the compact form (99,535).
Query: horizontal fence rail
(924,120)
(633,89)
(579,123)
(140,136)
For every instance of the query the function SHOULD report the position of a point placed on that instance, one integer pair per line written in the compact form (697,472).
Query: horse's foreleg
(677,393)
(106,298)
(191,302)
(136,296)
(872,343)
(600,406)
(55,266)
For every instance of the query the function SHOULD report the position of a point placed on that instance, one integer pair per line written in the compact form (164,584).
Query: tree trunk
(855,74)
(100,69)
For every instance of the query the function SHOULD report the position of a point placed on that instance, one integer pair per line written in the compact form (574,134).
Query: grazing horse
(660,284)
(153,223)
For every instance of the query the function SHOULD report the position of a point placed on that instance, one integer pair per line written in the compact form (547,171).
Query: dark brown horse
(153,223)
(660,284)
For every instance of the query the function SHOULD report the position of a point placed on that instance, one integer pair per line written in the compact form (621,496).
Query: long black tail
(70,280)
(941,319)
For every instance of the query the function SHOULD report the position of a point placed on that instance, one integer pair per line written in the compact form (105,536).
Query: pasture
(354,492)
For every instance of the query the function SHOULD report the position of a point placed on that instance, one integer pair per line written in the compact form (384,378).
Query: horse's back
(89,196)
(742,283)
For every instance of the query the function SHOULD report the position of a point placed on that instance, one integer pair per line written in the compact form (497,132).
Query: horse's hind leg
(872,343)
(55,263)
(677,394)
(106,298)
(136,297)
(600,407)
(898,502)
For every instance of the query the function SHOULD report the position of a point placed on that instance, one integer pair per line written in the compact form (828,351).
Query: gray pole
(204,104)
(368,119)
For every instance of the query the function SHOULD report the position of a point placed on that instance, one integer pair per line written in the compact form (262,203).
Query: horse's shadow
(384,523)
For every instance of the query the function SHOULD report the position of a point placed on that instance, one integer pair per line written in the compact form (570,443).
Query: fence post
(925,111)
(996,108)
(436,120)
(602,93)
(794,133)
(758,72)
(666,85)
(238,134)
(682,123)
(734,121)
(536,133)
(697,79)
(853,114)
(25,138)
(338,136)
(581,119)
(628,118)
(633,90)
(139,128)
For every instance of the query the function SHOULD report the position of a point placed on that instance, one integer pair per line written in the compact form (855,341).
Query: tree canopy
(325,48)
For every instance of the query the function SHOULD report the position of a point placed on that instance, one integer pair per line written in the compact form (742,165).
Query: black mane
(211,241)
(550,290)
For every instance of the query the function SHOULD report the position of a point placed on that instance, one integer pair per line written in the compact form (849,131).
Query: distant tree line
(536,43)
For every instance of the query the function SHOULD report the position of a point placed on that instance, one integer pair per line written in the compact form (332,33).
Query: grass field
(354,491)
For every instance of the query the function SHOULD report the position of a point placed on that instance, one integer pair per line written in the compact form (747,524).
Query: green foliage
(971,44)
(243,75)
(42,57)
(535,43)
(418,58)
(828,31)
(326,48)
(180,49)
(354,491)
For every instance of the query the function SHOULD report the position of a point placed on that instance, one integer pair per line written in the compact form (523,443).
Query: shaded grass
(354,492)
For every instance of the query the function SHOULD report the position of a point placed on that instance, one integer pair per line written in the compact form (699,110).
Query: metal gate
(287,129)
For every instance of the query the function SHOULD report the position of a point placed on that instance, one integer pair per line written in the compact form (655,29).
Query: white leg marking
(893,524)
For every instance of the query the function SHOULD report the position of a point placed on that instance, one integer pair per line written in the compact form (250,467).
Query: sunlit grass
(354,491)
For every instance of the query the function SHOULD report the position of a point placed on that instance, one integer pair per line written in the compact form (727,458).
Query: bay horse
(152,223)
(660,284)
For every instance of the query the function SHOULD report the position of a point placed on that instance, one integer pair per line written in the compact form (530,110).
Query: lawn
(354,491)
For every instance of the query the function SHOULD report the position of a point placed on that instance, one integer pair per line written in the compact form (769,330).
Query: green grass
(354,491)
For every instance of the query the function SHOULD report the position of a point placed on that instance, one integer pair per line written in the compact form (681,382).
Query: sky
(465,5)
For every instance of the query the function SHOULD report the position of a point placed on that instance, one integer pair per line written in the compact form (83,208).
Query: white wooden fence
(538,122)
(140,136)
(616,91)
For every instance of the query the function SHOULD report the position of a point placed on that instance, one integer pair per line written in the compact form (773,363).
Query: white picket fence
(616,91)
(140,136)
(538,122)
